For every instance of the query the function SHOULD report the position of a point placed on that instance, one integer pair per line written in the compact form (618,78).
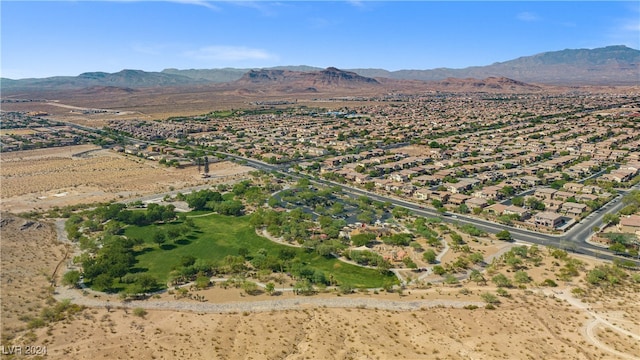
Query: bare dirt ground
(42,179)
(29,254)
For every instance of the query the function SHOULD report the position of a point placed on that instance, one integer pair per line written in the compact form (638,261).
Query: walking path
(588,330)
(76,297)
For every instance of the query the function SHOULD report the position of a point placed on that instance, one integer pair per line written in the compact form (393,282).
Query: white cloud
(204,3)
(229,53)
(632,26)
(626,30)
(356,3)
(527,16)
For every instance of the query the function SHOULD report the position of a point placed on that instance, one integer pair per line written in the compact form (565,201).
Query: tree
(303,287)
(159,237)
(139,312)
(243,251)
(409,263)
(362,239)
(535,204)
(476,258)
(508,190)
(229,207)
(610,218)
(102,282)
(504,235)
(501,280)
(187,260)
(489,298)
(618,248)
(270,288)
(514,262)
(250,287)
(517,201)
(400,212)
(476,276)
(233,264)
(401,239)
(203,199)
(203,282)
(383,266)
(439,270)
(206,165)
(146,282)
(456,238)
(71,278)
(463,209)
(345,288)
(365,217)
(429,256)
(521,277)
(173,233)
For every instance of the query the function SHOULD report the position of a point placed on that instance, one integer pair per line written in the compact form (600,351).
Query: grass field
(218,236)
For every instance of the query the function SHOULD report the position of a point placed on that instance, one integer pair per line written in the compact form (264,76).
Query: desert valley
(305,213)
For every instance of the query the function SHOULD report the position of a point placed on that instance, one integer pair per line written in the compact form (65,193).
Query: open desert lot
(45,178)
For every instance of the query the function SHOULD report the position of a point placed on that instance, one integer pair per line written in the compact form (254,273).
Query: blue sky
(50,38)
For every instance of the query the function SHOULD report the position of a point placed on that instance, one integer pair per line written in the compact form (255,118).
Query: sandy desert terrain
(45,178)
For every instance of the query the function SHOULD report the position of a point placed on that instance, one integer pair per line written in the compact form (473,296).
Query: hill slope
(611,65)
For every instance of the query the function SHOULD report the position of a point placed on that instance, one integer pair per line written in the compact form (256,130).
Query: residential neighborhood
(540,162)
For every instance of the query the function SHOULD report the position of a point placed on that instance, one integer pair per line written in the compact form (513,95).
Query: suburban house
(476,203)
(548,219)
(573,209)
(630,224)
(544,193)
(458,199)
(573,187)
(422,194)
(516,210)
(496,209)
(562,195)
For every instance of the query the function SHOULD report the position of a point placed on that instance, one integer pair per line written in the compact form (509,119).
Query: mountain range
(611,65)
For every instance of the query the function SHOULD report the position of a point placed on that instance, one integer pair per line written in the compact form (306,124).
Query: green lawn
(218,236)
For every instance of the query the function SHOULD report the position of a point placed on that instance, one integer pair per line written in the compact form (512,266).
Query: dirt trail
(589,328)
(302,302)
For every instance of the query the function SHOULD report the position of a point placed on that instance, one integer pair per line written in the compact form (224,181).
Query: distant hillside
(612,65)
(212,75)
(304,81)
(490,84)
(123,79)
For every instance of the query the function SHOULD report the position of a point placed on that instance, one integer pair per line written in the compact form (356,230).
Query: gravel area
(303,302)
